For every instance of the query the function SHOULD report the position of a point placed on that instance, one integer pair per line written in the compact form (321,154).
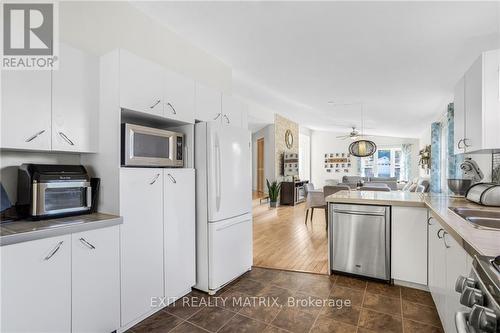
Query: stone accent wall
(281,124)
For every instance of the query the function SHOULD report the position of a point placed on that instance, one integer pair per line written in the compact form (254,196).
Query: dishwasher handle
(345,212)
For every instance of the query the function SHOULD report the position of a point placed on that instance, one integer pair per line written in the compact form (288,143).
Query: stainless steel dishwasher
(360,237)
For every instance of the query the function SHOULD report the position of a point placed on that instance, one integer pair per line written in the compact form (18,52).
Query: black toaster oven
(50,190)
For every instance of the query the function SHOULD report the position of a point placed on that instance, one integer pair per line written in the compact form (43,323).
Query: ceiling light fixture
(363,147)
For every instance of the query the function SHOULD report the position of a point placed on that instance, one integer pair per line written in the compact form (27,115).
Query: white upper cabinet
(26,110)
(478,103)
(141,84)
(95,281)
(179,97)
(75,101)
(179,227)
(233,111)
(36,286)
(207,104)
(459,116)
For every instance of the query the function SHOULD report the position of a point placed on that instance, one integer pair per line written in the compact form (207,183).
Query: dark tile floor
(266,300)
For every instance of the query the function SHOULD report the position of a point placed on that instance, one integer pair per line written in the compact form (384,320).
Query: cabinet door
(491,95)
(456,265)
(141,84)
(459,116)
(141,240)
(208,104)
(75,101)
(26,110)
(36,286)
(179,97)
(474,107)
(409,244)
(231,110)
(96,281)
(437,276)
(179,220)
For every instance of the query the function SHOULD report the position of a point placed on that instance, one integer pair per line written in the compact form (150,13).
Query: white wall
(326,142)
(268,134)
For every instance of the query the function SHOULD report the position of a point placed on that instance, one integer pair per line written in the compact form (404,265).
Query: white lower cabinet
(36,286)
(409,244)
(141,241)
(96,281)
(447,261)
(179,220)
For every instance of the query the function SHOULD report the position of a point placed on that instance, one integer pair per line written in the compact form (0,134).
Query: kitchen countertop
(475,241)
(28,230)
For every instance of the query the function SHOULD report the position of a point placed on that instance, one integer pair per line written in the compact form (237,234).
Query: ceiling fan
(354,134)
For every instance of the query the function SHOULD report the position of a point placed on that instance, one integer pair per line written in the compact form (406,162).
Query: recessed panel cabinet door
(179,220)
(96,281)
(36,286)
(75,101)
(141,84)
(26,110)
(141,240)
(179,97)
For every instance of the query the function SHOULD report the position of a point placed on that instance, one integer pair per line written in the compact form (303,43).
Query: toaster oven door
(60,197)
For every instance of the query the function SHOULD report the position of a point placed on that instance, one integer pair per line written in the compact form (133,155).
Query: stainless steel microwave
(151,147)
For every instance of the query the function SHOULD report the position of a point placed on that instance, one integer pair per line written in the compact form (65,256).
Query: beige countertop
(28,230)
(475,241)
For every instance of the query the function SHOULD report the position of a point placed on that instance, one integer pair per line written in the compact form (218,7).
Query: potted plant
(273,190)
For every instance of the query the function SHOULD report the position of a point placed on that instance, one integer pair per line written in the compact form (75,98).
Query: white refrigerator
(223,204)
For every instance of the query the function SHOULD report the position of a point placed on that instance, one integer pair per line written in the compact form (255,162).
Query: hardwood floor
(282,240)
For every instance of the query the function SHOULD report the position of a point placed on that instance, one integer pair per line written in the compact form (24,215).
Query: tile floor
(321,304)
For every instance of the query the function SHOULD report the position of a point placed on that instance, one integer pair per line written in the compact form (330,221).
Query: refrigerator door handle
(217,173)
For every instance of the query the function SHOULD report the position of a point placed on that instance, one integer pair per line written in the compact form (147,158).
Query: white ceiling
(399,59)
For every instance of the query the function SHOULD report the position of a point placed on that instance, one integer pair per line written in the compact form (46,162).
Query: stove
(481,293)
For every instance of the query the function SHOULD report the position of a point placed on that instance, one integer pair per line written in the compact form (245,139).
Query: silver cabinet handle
(438,233)
(227,119)
(54,251)
(444,240)
(154,179)
(459,142)
(87,244)
(172,178)
(34,136)
(62,135)
(172,107)
(155,104)
(465,142)
(429,219)
(218,115)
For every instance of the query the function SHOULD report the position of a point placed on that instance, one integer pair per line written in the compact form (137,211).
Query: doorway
(260,165)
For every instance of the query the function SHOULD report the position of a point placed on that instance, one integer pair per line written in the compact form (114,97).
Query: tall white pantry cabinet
(157,237)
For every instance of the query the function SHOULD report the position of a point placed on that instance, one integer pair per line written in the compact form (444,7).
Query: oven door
(60,198)
(146,146)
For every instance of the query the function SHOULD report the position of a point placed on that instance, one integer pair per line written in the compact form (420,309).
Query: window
(386,162)
(304,157)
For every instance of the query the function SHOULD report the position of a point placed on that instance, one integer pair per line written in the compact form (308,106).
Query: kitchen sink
(479,218)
